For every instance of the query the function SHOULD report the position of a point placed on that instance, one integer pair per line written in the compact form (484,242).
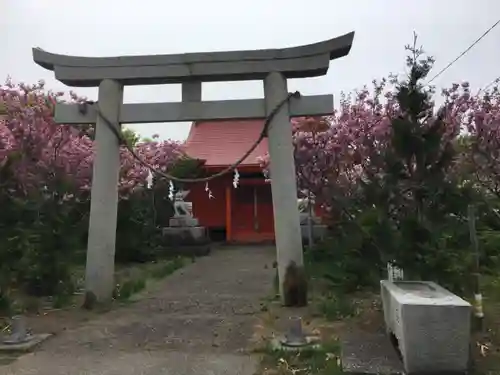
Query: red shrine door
(252,213)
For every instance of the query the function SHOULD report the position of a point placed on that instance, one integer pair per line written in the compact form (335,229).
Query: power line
(464,52)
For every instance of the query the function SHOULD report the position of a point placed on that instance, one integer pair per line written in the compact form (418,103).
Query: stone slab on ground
(369,353)
(36,340)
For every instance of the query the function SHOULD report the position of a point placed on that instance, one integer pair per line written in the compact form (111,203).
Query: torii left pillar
(289,252)
(99,276)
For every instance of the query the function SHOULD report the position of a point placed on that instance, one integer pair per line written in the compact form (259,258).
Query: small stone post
(310,223)
(284,192)
(99,273)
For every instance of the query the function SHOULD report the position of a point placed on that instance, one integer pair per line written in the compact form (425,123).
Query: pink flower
(42,152)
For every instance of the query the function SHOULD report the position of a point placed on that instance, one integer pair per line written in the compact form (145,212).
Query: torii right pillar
(290,259)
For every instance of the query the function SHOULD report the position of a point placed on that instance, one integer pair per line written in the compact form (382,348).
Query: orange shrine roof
(222,143)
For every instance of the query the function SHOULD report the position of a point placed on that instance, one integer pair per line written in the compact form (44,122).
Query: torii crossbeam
(111,74)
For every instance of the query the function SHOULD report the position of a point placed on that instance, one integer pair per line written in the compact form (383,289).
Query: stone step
(183,221)
(189,236)
(369,353)
(187,250)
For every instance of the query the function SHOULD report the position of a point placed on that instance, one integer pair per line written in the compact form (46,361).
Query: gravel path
(197,321)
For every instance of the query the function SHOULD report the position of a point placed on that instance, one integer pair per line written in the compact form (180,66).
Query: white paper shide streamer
(209,192)
(171,191)
(394,273)
(149,180)
(236,178)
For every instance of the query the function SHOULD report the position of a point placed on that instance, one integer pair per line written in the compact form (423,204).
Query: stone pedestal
(431,325)
(20,339)
(176,222)
(185,237)
(179,236)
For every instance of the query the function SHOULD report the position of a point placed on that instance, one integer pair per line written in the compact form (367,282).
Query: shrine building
(236,215)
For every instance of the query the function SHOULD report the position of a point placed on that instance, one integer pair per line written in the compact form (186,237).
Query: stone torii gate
(111,74)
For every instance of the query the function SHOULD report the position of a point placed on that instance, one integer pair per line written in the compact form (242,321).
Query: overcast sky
(134,27)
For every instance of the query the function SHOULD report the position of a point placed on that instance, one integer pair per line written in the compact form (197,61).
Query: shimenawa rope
(83,109)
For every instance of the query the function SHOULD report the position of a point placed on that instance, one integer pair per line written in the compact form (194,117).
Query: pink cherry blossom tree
(42,150)
(481,137)
(332,153)
(45,179)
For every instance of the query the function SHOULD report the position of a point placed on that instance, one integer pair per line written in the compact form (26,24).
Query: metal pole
(310,220)
(478,298)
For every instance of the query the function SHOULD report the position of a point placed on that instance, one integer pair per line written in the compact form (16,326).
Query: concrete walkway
(197,321)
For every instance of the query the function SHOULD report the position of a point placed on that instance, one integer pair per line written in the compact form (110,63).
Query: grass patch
(135,282)
(335,307)
(130,280)
(61,300)
(129,288)
(322,361)
(165,269)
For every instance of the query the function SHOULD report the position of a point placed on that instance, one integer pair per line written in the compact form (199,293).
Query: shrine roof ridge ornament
(305,61)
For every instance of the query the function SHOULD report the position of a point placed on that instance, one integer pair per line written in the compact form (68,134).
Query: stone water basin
(420,289)
(422,293)
(431,325)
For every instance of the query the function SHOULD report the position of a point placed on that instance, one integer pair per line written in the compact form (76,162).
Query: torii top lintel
(296,62)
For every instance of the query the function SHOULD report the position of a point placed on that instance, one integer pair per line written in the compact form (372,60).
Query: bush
(341,261)
(337,307)
(349,260)
(43,236)
(140,218)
